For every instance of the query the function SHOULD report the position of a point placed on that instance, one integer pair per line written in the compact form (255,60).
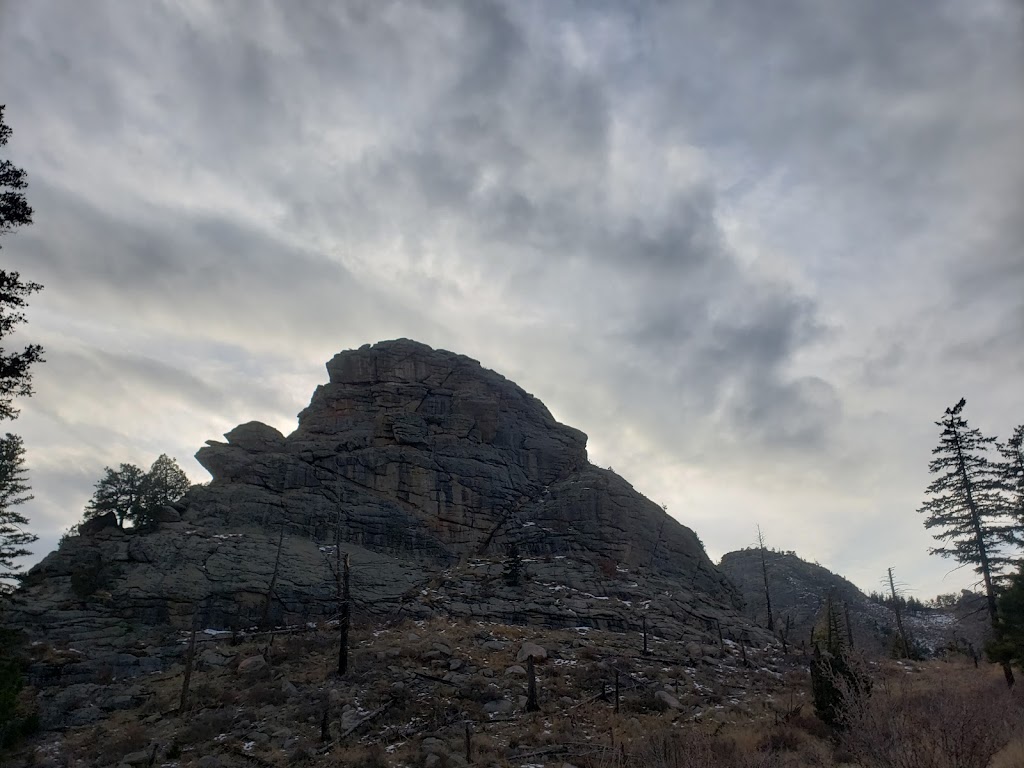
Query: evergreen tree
(134,495)
(15,376)
(15,381)
(164,484)
(1012,470)
(967,506)
(513,569)
(1008,646)
(14,491)
(118,491)
(836,683)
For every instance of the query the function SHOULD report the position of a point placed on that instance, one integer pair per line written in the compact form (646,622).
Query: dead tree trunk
(849,624)
(189,663)
(531,686)
(784,633)
(346,609)
(899,618)
(325,719)
(265,619)
(764,574)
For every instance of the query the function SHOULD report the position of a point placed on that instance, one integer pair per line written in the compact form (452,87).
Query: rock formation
(424,467)
(799,590)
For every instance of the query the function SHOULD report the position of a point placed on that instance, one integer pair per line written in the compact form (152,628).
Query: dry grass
(746,717)
(945,716)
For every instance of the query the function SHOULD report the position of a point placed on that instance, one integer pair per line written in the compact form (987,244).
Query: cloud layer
(754,252)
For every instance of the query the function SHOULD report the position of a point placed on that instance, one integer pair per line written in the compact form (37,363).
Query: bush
(17,715)
(837,685)
(691,748)
(956,724)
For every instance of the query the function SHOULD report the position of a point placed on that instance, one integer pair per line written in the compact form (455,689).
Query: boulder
(252,665)
(165,514)
(96,524)
(531,651)
(667,700)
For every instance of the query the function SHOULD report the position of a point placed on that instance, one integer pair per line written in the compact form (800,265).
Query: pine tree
(133,495)
(14,491)
(164,484)
(967,506)
(1012,470)
(1008,645)
(15,376)
(836,683)
(513,569)
(764,574)
(118,491)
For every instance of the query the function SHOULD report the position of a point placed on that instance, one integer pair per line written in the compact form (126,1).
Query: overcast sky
(753,249)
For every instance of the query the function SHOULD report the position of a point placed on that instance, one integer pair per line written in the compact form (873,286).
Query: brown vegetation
(413,689)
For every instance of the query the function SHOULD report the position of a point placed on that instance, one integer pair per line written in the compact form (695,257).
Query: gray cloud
(752,249)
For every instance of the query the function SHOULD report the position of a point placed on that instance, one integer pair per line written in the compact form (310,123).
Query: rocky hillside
(800,589)
(425,469)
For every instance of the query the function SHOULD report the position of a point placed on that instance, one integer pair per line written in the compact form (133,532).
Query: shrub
(17,715)
(691,748)
(838,684)
(956,724)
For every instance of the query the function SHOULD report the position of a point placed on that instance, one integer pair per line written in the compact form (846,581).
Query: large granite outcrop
(800,590)
(424,467)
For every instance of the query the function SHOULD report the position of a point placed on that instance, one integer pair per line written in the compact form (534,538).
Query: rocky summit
(453,493)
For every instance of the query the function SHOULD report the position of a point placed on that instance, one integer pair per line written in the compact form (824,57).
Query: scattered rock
(515,671)
(211,658)
(531,650)
(433,746)
(499,707)
(668,700)
(165,514)
(252,665)
(137,758)
(443,649)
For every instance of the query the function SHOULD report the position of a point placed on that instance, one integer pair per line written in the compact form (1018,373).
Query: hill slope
(799,590)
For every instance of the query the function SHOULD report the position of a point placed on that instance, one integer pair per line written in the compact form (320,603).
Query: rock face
(424,468)
(799,591)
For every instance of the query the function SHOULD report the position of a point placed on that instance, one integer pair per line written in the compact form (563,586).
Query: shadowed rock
(426,467)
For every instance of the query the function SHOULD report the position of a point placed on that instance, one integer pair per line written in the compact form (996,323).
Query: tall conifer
(967,506)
